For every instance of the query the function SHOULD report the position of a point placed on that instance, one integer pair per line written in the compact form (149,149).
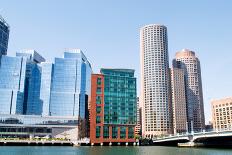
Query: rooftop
(185,53)
(118,70)
(158,25)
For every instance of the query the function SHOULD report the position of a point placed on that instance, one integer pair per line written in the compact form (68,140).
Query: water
(106,150)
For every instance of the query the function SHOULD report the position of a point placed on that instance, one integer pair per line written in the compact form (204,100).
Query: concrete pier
(190,144)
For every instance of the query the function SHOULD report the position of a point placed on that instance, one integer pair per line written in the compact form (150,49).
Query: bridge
(212,138)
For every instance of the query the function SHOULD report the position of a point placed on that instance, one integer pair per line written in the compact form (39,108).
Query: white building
(155,87)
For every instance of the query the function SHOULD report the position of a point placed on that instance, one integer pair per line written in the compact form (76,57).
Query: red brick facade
(94,114)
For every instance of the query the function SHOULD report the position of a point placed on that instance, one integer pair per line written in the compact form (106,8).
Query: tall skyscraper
(71,84)
(4,36)
(155,87)
(32,104)
(46,85)
(12,84)
(188,61)
(179,114)
(113,106)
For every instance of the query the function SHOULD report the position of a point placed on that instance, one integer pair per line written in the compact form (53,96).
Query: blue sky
(107,31)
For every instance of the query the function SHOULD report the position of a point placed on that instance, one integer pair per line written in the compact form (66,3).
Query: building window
(98,81)
(98,99)
(98,132)
(122,132)
(130,132)
(114,132)
(98,109)
(99,90)
(98,119)
(106,132)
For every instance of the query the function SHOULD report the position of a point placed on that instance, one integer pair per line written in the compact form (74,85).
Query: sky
(107,31)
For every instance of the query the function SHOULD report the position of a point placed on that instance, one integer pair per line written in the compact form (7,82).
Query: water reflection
(107,150)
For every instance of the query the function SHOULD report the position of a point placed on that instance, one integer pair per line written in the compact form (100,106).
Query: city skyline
(215,78)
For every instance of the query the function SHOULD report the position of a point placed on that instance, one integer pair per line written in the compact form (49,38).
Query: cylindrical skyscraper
(155,88)
(188,61)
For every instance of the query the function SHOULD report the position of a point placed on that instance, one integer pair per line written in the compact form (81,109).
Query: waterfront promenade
(43,142)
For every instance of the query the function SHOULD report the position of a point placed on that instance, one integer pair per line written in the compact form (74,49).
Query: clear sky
(107,31)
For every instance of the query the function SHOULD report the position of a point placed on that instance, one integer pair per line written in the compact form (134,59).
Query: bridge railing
(196,133)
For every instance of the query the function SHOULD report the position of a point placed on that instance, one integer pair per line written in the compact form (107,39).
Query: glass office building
(70,85)
(39,96)
(113,110)
(45,89)
(12,84)
(4,36)
(120,94)
(32,104)
(29,126)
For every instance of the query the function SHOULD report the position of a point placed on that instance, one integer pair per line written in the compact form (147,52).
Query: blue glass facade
(4,36)
(13,74)
(33,87)
(32,104)
(46,83)
(70,85)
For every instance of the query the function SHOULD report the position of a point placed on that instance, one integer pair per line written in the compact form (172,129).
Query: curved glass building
(70,85)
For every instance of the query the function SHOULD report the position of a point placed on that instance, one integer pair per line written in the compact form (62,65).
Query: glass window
(98,109)
(122,132)
(106,132)
(98,99)
(98,119)
(130,132)
(98,132)
(98,81)
(98,90)
(114,132)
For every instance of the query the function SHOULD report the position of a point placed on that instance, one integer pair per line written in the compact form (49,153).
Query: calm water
(148,150)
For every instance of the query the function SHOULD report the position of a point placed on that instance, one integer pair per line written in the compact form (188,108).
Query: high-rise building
(4,36)
(12,84)
(188,61)
(45,89)
(155,88)
(32,104)
(71,84)
(222,114)
(179,114)
(32,87)
(113,106)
